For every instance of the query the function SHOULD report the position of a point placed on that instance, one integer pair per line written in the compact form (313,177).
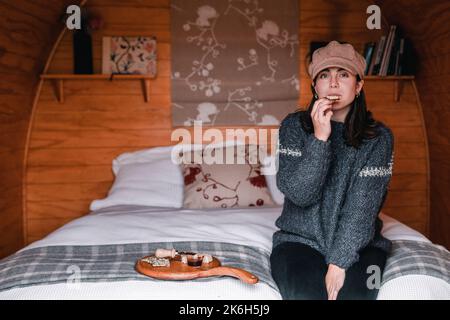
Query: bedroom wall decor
(129,55)
(234,62)
(82,42)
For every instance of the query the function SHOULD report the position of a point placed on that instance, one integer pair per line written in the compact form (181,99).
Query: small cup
(194,261)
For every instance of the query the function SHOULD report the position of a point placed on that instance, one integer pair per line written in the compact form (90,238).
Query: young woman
(335,163)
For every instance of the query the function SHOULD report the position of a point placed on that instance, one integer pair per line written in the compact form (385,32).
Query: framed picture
(129,55)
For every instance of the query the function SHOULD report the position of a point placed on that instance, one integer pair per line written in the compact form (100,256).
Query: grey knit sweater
(333,192)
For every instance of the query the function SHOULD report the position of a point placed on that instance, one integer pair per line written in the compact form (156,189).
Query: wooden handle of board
(241,274)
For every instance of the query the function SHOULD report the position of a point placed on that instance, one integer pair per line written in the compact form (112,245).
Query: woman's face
(340,82)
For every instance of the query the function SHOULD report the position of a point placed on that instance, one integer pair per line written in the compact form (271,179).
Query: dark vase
(82,52)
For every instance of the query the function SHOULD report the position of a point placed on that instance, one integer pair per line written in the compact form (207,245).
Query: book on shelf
(369,49)
(375,65)
(373,58)
(391,65)
(393,54)
(387,52)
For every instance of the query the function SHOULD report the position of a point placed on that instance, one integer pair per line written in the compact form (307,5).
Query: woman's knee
(363,279)
(299,272)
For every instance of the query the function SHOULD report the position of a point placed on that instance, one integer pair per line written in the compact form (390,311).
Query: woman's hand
(334,280)
(321,116)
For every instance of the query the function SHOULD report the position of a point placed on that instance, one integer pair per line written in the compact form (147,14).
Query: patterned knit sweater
(333,192)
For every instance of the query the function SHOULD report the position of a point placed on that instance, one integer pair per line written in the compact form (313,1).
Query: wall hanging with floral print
(234,62)
(129,55)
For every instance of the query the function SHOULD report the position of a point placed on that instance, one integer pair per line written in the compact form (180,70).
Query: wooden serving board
(180,271)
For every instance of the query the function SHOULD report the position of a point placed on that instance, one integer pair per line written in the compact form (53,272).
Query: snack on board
(157,262)
(162,258)
(165,253)
(179,265)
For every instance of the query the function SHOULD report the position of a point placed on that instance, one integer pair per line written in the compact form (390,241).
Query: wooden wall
(26,36)
(427,23)
(72,144)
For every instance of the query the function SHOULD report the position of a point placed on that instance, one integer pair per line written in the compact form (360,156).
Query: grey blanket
(100,263)
(416,257)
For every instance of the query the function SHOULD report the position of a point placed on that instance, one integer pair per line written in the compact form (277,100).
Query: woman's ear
(359,86)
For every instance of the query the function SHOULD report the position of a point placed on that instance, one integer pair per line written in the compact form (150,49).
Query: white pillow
(269,169)
(145,177)
(395,230)
(149,177)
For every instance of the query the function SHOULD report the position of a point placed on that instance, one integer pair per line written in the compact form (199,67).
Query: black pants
(300,270)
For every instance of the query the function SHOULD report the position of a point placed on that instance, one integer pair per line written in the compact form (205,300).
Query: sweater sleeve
(303,164)
(366,196)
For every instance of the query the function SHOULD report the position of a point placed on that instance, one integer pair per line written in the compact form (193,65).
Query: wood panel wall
(26,36)
(427,23)
(72,144)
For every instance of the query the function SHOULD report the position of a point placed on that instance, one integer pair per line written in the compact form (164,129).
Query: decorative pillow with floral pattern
(234,180)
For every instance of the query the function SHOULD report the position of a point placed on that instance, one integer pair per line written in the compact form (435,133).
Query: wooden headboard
(71,145)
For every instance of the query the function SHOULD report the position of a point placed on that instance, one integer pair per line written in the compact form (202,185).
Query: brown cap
(335,54)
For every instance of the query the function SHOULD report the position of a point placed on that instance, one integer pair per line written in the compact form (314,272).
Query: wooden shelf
(59,79)
(398,80)
(388,77)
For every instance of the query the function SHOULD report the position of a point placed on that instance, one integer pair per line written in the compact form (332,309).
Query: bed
(93,257)
(121,225)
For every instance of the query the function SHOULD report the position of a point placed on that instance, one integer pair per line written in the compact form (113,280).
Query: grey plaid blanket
(100,263)
(415,257)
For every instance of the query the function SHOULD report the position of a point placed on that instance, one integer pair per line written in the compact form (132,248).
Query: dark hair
(359,122)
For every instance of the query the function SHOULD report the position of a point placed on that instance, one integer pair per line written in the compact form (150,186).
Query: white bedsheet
(253,227)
